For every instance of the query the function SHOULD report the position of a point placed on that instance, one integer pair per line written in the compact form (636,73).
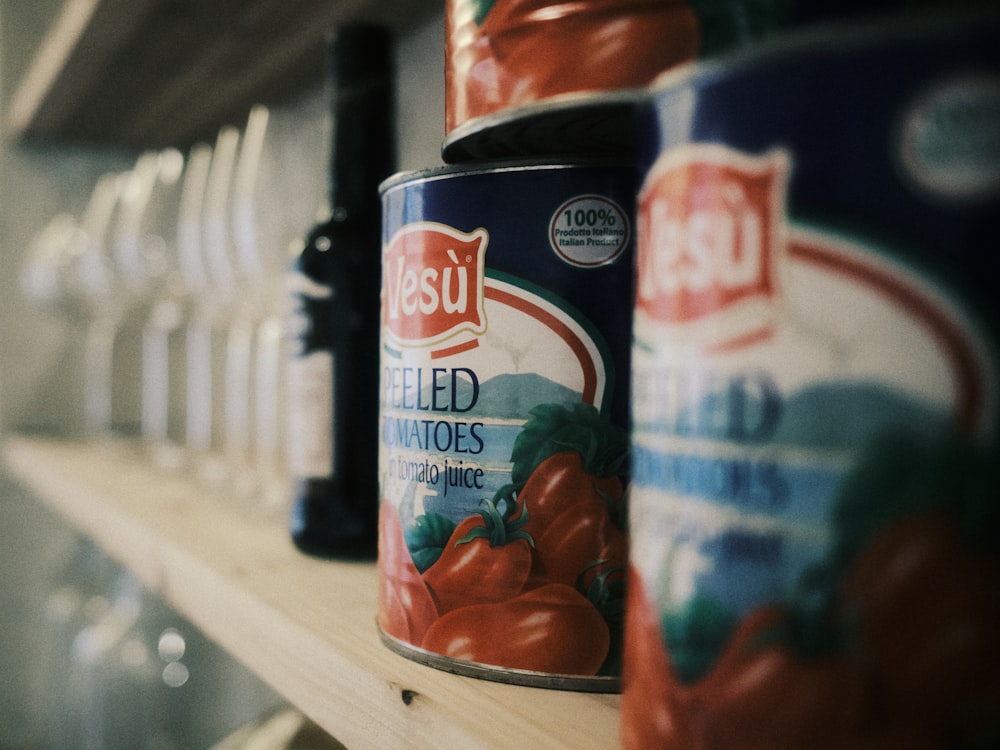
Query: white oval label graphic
(950,138)
(589,230)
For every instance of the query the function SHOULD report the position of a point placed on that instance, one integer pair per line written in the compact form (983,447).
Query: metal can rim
(480,136)
(838,36)
(489,672)
(431,174)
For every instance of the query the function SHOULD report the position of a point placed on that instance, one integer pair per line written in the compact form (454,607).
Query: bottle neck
(362,152)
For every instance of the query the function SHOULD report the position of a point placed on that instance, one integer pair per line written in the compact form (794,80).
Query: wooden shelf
(152,73)
(305,626)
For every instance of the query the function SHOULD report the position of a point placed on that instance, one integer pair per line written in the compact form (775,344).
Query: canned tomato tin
(815,489)
(506,317)
(525,77)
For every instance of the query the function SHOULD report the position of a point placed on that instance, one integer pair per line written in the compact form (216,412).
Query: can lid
(569,126)
(489,166)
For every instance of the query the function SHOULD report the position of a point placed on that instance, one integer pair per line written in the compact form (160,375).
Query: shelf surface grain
(305,626)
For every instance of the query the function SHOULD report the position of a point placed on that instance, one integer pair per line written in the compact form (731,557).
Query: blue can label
(768,357)
(506,317)
(816,372)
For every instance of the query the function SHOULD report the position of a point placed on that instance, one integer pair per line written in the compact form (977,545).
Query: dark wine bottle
(333,374)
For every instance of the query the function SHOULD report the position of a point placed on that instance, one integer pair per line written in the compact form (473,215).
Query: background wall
(47,572)
(38,378)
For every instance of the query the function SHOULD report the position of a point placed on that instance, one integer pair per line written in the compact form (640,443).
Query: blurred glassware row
(173,280)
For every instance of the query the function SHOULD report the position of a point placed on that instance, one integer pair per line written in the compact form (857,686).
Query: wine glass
(249,309)
(226,342)
(40,278)
(42,282)
(89,288)
(278,188)
(197,327)
(147,264)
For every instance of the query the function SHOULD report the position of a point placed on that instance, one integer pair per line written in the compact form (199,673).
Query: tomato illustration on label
(406,608)
(763,693)
(567,478)
(561,481)
(651,716)
(486,559)
(565,561)
(580,543)
(572,500)
(552,628)
(928,622)
(895,614)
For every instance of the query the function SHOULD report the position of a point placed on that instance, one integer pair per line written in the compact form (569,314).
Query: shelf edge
(347,682)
